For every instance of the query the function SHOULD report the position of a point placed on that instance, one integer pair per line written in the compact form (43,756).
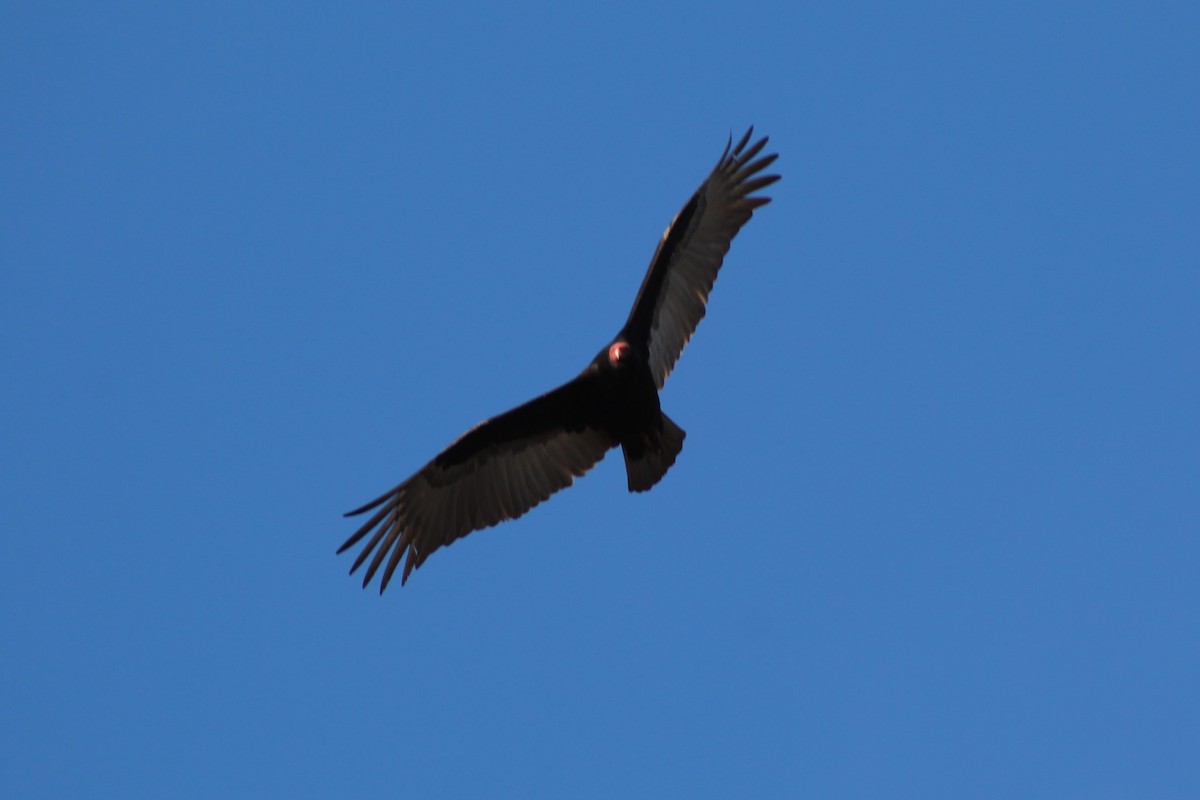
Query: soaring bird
(506,465)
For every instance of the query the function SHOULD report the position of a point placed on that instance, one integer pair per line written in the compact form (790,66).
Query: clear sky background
(934,532)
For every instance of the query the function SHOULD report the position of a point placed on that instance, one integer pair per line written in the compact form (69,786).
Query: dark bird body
(503,467)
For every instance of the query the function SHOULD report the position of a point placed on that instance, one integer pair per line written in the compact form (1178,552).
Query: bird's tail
(648,463)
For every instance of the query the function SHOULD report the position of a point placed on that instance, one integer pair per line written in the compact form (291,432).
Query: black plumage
(504,466)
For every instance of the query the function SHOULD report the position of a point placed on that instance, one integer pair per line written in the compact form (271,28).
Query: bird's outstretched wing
(671,302)
(496,471)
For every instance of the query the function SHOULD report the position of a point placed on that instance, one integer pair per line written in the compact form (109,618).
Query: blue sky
(934,532)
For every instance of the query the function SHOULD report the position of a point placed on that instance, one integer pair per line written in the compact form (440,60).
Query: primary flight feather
(506,465)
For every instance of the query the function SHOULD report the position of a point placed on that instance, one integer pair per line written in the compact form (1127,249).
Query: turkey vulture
(505,466)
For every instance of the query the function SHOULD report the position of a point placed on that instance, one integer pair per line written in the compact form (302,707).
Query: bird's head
(619,353)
